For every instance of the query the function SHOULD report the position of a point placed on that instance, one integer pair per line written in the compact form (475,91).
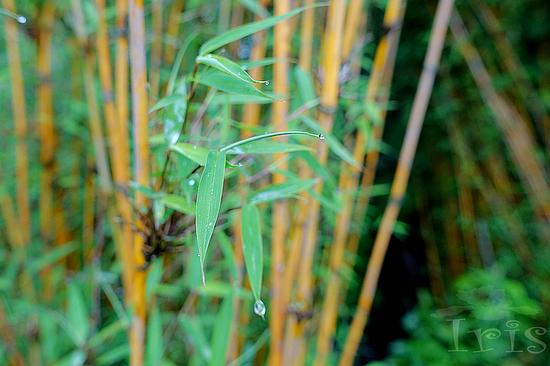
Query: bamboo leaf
(225,98)
(193,152)
(333,143)
(281,191)
(77,315)
(267,147)
(256,138)
(220,339)
(245,30)
(255,7)
(227,83)
(178,203)
(209,196)
(252,248)
(154,338)
(228,67)
(195,333)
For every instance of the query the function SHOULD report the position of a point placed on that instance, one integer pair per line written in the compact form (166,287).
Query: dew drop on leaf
(21,19)
(321,136)
(191,182)
(259,308)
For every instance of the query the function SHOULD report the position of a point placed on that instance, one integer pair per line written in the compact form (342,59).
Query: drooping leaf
(258,138)
(281,191)
(245,30)
(178,203)
(228,67)
(193,152)
(252,248)
(222,327)
(173,113)
(209,197)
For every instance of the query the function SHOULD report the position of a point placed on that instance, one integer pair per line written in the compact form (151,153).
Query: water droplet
(21,19)
(259,308)
(191,182)
(266,82)
(321,136)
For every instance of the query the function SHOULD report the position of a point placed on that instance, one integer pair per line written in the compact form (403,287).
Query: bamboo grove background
(284,183)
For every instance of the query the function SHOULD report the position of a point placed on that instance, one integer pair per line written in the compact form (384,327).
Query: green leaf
(222,327)
(225,98)
(178,203)
(267,147)
(333,143)
(252,248)
(154,338)
(229,84)
(228,67)
(77,315)
(52,256)
(195,333)
(209,197)
(193,152)
(281,191)
(154,276)
(245,30)
(164,102)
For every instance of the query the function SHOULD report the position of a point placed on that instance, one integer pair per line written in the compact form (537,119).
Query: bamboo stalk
(384,59)
(172,29)
(298,224)
(523,87)
(518,139)
(279,229)
(141,169)
(19,110)
(8,336)
(330,64)
(45,120)
(156,50)
(399,184)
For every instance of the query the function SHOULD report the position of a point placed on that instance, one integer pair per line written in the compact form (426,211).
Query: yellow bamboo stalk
(141,170)
(117,133)
(46,121)
(156,50)
(296,231)
(384,59)
(401,178)
(520,142)
(121,76)
(172,29)
(14,236)
(330,65)
(281,52)
(19,110)
(353,21)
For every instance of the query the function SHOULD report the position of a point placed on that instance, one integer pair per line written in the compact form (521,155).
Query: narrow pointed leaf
(252,248)
(245,30)
(193,152)
(209,197)
(229,84)
(281,191)
(222,327)
(228,67)
(178,203)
